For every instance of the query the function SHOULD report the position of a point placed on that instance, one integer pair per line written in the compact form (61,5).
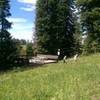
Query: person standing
(58,54)
(64,59)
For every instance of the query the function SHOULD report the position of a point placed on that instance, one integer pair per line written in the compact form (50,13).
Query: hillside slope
(78,80)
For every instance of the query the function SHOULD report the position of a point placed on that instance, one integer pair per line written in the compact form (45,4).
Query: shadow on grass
(21,68)
(24,67)
(30,66)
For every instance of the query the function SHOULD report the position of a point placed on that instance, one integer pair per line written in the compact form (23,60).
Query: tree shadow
(23,67)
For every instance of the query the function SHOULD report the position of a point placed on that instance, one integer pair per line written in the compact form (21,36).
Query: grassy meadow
(78,80)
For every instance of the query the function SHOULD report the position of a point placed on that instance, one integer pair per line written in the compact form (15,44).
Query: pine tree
(29,49)
(7,46)
(54,26)
(90,21)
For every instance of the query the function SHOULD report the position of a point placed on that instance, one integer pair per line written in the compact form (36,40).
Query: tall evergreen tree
(77,27)
(7,46)
(54,26)
(90,21)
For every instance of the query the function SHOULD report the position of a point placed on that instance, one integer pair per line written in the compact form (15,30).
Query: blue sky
(23,17)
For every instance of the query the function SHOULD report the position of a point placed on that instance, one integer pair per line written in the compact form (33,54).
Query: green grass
(72,81)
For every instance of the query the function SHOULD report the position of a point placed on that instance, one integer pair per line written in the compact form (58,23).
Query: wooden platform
(47,57)
(44,59)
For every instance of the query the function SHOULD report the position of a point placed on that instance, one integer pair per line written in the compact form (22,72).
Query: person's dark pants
(58,59)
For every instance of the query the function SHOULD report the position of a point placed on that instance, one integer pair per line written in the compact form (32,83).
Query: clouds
(21,28)
(22,34)
(17,20)
(28,8)
(23,16)
(28,1)
(30,5)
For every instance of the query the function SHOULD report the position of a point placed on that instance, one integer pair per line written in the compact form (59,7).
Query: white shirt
(58,53)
